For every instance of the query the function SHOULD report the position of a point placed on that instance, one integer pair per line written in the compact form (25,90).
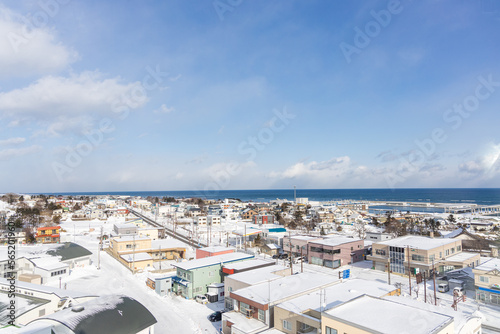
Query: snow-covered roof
(416,242)
(248,264)
(49,263)
(277,290)
(216,249)
(489,265)
(453,233)
(242,324)
(212,260)
(273,246)
(367,312)
(336,295)
(129,225)
(260,275)
(106,314)
(466,271)
(167,243)
(137,257)
(335,241)
(303,237)
(128,238)
(461,257)
(47,289)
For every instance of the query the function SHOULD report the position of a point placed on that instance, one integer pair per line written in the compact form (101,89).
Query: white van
(443,287)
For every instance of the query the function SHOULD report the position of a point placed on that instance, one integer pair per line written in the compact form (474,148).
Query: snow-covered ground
(174,314)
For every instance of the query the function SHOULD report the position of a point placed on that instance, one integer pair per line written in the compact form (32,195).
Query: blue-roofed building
(193,277)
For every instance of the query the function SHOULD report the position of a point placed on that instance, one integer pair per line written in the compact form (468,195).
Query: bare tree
(360,229)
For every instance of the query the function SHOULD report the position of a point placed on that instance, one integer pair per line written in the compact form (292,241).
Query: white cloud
(163,110)
(12,141)
(16,152)
(27,49)
(62,101)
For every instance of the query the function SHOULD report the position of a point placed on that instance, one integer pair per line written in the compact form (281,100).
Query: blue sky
(210,95)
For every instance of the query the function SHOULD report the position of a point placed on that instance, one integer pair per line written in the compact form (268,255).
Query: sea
(480,196)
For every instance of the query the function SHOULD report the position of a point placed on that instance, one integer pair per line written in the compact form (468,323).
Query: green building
(194,276)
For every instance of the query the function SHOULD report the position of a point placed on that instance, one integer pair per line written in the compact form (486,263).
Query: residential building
(213,220)
(422,252)
(303,314)
(377,236)
(50,269)
(487,281)
(366,314)
(242,280)
(298,243)
(257,302)
(263,219)
(193,277)
(200,220)
(335,252)
(48,235)
(125,229)
(248,214)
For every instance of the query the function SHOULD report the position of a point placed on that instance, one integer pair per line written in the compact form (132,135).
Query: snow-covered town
(120,264)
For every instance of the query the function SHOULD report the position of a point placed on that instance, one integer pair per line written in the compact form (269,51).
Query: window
(380,251)
(453,250)
(211,273)
(440,255)
(329,330)
(262,315)
(244,308)
(447,252)
(287,325)
(416,257)
(459,248)
(484,279)
(432,257)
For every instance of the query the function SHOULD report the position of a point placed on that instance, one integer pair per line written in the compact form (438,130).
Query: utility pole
(245,236)
(409,268)
(425,289)
(301,260)
(290,243)
(227,239)
(99,252)
(389,271)
(159,254)
(434,278)
(133,256)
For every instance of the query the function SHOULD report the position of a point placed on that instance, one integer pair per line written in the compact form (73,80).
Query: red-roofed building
(48,235)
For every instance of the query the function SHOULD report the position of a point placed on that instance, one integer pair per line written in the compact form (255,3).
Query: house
(303,314)
(298,243)
(34,300)
(473,242)
(146,250)
(422,252)
(257,302)
(200,220)
(161,285)
(248,214)
(193,277)
(213,251)
(114,314)
(335,252)
(377,236)
(487,281)
(125,229)
(50,269)
(213,220)
(367,314)
(263,219)
(48,235)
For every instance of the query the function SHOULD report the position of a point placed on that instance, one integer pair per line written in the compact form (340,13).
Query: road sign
(346,273)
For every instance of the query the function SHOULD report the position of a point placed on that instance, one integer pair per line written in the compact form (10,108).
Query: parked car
(275,256)
(216,316)
(201,299)
(443,287)
(459,291)
(283,256)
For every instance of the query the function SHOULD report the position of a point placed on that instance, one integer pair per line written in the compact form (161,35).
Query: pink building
(212,251)
(335,252)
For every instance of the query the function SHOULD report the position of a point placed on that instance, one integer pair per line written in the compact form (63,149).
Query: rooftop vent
(78,309)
